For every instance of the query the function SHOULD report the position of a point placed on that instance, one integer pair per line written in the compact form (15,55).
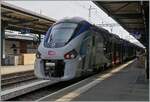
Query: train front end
(57,57)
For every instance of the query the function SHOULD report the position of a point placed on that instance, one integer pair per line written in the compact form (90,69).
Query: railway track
(8,80)
(40,88)
(44,90)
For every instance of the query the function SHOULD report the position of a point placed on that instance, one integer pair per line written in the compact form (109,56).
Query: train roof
(100,28)
(73,19)
(107,35)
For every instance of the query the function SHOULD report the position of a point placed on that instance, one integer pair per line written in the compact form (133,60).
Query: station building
(20,48)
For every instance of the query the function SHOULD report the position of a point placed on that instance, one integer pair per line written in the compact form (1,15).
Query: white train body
(60,59)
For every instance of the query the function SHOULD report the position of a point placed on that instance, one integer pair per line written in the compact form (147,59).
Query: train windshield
(60,34)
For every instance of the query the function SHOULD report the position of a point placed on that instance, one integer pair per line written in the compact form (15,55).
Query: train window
(107,49)
(93,41)
(61,32)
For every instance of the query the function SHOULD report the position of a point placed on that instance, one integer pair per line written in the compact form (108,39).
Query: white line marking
(83,89)
(77,92)
(61,90)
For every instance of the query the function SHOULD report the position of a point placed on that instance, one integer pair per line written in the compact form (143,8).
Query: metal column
(2,37)
(38,41)
(146,18)
(1,48)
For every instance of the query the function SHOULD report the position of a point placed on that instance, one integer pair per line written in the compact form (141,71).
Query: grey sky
(61,9)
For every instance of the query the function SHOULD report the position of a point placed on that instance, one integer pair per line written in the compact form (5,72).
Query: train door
(93,55)
(88,60)
(117,53)
(107,52)
(86,57)
(121,53)
(100,58)
(113,52)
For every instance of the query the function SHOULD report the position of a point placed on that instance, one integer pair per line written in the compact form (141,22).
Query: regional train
(73,47)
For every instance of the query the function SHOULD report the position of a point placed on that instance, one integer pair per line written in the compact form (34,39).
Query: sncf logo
(51,53)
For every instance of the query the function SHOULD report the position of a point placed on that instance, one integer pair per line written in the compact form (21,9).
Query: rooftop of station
(16,18)
(131,15)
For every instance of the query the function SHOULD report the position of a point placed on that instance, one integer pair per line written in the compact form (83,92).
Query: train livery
(73,47)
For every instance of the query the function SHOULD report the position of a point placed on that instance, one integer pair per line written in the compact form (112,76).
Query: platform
(127,85)
(124,83)
(15,69)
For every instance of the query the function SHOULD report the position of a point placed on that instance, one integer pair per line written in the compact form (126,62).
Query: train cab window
(60,34)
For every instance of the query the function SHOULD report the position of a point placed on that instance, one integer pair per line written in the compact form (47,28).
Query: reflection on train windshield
(61,32)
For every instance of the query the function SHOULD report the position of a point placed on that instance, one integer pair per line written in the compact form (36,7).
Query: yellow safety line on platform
(70,96)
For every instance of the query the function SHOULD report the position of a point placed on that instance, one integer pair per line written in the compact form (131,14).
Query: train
(73,47)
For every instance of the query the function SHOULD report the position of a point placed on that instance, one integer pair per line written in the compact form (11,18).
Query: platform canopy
(19,19)
(131,15)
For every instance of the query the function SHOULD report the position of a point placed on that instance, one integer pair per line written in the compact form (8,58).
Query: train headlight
(71,55)
(38,54)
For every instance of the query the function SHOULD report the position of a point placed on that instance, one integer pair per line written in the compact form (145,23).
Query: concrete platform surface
(127,85)
(15,69)
(124,83)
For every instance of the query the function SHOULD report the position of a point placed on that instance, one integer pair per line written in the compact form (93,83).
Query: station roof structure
(16,18)
(131,15)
